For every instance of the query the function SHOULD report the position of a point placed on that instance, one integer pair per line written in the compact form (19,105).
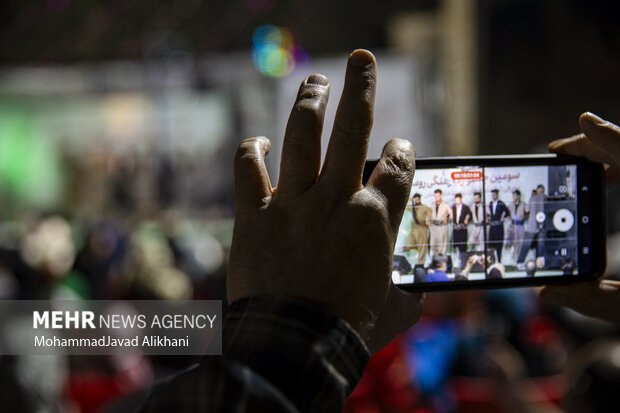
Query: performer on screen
(476,237)
(418,236)
(441,215)
(515,231)
(461,215)
(534,228)
(497,213)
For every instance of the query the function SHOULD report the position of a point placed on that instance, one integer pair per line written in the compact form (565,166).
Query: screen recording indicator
(488,223)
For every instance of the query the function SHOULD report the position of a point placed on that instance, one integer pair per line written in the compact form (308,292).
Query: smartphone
(500,221)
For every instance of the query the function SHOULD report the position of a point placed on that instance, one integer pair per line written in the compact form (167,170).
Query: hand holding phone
(555,231)
(599,142)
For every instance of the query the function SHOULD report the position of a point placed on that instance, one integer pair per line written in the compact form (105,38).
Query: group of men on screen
(430,225)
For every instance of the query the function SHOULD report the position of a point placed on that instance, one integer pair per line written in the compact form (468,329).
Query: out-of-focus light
(275,52)
(209,253)
(272,61)
(287,42)
(265,36)
(301,57)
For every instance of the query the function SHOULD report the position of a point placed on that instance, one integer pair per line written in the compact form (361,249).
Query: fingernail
(592,118)
(317,79)
(552,296)
(361,57)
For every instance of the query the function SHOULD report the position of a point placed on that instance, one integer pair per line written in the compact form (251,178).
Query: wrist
(297,346)
(288,313)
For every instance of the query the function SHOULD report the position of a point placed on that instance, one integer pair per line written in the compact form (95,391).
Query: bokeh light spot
(275,51)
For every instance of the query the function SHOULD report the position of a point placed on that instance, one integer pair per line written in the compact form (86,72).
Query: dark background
(145,219)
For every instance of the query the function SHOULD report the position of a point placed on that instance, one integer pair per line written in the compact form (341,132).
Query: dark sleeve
(468,212)
(279,355)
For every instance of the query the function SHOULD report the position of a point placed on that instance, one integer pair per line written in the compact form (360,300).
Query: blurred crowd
(494,351)
(134,247)
(135,228)
(474,351)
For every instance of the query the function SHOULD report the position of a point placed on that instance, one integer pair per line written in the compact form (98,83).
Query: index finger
(603,133)
(348,144)
(402,310)
(581,145)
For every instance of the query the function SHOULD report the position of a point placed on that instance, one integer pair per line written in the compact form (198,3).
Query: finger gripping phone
(500,221)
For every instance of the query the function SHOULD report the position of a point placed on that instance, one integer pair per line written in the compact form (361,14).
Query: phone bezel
(589,174)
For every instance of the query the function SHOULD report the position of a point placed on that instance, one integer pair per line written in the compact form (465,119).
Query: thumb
(603,133)
(401,311)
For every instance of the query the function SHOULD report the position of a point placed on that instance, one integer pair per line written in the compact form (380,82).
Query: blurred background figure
(119,122)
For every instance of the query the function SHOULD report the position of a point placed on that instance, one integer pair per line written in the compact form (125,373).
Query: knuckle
(398,169)
(401,154)
(312,93)
(247,159)
(369,76)
(369,81)
(397,174)
(308,112)
(361,86)
(351,132)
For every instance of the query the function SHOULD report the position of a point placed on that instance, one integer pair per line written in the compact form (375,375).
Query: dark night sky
(77,30)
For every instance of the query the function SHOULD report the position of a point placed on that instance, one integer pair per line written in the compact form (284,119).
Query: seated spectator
(419,274)
(568,267)
(466,270)
(439,266)
(530,268)
(495,272)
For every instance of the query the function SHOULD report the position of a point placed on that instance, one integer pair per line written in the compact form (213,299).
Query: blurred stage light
(275,52)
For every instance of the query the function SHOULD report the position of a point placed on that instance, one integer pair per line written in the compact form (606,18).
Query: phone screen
(495,224)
